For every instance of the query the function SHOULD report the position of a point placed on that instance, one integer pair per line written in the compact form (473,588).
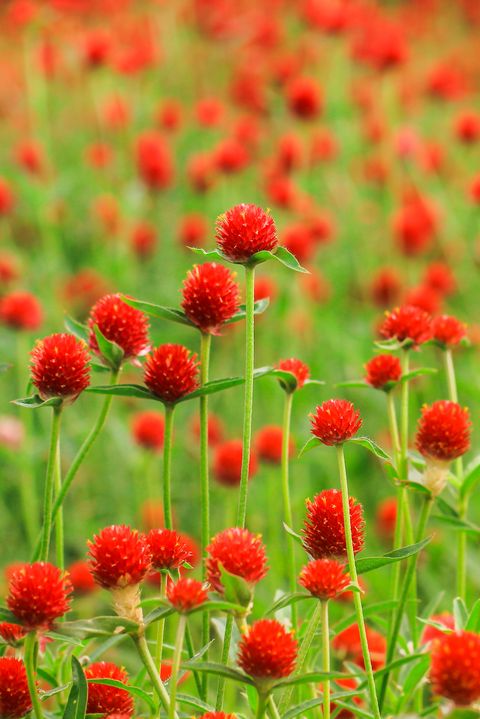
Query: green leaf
(417,373)
(446,508)
(354,384)
(112,353)
(308,446)
(96,627)
(354,709)
(368,564)
(77,699)
(133,690)
(457,524)
(411,682)
(285,257)
(258,309)
(194,702)
(309,678)
(395,664)
(163,313)
(287,600)
(210,254)
(392,345)
(473,621)
(314,381)
(219,606)
(417,487)
(460,614)
(36,402)
(302,708)
(370,610)
(297,537)
(76,328)
(471,478)
(159,613)
(219,670)
(216,385)
(124,390)
(7,616)
(51,692)
(371,446)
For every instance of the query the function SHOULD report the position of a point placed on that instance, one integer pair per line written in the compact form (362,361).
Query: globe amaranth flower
(11,634)
(299,369)
(211,296)
(432,632)
(347,643)
(186,594)
(382,371)
(217,715)
(148,429)
(386,517)
(171,372)
(119,323)
(60,367)
(269,443)
(335,421)
(38,594)
(267,651)
(104,699)
(15,700)
(227,463)
(324,531)
(407,324)
(324,578)
(447,331)
(168,548)
(81,577)
(239,552)
(21,311)
(455,667)
(243,231)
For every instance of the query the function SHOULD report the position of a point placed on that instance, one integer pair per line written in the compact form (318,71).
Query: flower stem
(325,658)
(393,425)
(59,531)
(205,345)
(167,467)
(49,482)
(227,638)
(149,664)
(30,649)
(160,624)
(177,655)
(261,706)
(353,575)
(248,397)
(287,507)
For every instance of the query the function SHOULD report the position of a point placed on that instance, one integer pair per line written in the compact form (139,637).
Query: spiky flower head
(324,578)
(171,372)
(119,323)
(447,331)
(335,421)
(187,594)
(60,367)
(168,548)
(455,667)
(119,557)
(407,323)
(15,699)
(239,552)
(38,594)
(323,530)
(267,650)
(382,371)
(211,296)
(299,369)
(243,231)
(104,699)
(443,431)
(11,633)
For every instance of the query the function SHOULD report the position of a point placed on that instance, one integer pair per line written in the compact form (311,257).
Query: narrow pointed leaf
(96,627)
(287,600)
(285,257)
(372,447)
(36,402)
(78,329)
(417,373)
(309,678)
(172,314)
(110,351)
(368,564)
(308,446)
(354,384)
(133,690)
(219,670)
(473,621)
(77,699)
(460,614)
(297,537)
(158,613)
(471,478)
(194,702)
(258,309)
(216,385)
(124,390)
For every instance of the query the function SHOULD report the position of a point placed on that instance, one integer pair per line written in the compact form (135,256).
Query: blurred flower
(455,667)
(15,699)
(299,369)
(12,433)
(81,577)
(386,517)
(268,444)
(148,428)
(447,331)
(227,462)
(11,634)
(21,311)
(304,98)
(348,644)
(407,323)
(430,632)
(154,161)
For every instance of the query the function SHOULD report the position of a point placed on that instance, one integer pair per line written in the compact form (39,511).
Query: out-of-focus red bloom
(99,155)
(216,430)
(447,331)
(116,113)
(15,699)
(386,517)
(8,269)
(152,514)
(186,594)
(148,429)
(381,370)
(211,296)
(415,224)
(281,190)
(323,529)
(447,81)
(304,98)
(265,288)
(385,287)
(289,152)
(60,367)
(474,190)
(96,47)
(467,127)
(29,156)
(210,112)
(455,667)
(119,323)
(267,650)
(335,421)
(324,578)
(154,160)
(439,276)
(331,17)
(299,369)
(12,433)
(431,632)
(21,311)
(230,156)
(81,577)
(7,198)
(268,444)
(443,431)
(347,643)
(104,699)
(217,715)
(239,552)
(193,230)
(143,239)
(119,557)
(321,228)
(323,146)
(11,634)
(106,210)
(38,594)
(227,462)
(171,372)
(424,297)
(168,548)
(380,43)
(169,115)
(298,240)
(166,673)
(83,289)
(407,323)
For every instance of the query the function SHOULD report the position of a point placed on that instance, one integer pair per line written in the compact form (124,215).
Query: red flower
(168,548)
(21,311)
(407,323)
(324,578)
(210,296)
(448,331)
(227,462)
(455,667)
(60,367)
(335,421)
(382,370)
(268,443)
(7,199)
(192,230)
(304,98)
(186,594)
(323,529)
(386,517)
(267,650)
(148,429)
(119,323)
(430,632)
(244,230)
(15,699)
(106,700)
(171,372)
(143,240)
(348,644)
(385,287)
(217,715)
(81,577)
(215,428)
(239,552)
(443,431)
(440,277)
(38,594)
(298,368)
(119,557)
(11,634)
(154,161)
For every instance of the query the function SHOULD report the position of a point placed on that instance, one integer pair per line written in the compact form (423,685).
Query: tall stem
(397,453)
(248,396)
(49,483)
(177,655)
(353,575)
(160,624)
(325,658)
(149,664)
(59,532)
(227,638)
(393,426)
(167,467)
(261,706)
(27,484)
(205,344)
(30,652)
(287,507)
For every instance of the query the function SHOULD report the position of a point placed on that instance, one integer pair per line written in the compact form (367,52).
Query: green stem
(59,531)
(177,656)
(273,708)
(325,658)
(30,650)
(225,653)
(397,453)
(205,345)
(261,706)
(160,624)
(393,425)
(167,467)
(287,506)
(353,575)
(147,660)
(248,396)
(49,483)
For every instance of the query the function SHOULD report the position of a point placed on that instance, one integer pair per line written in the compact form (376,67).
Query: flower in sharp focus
(267,650)
(21,311)
(455,667)
(186,594)
(168,548)
(38,594)
(443,431)
(323,530)
(299,369)
(335,421)
(448,331)
(211,296)
(324,578)
(119,323)
(382,370)
(407,323)
(60,367)
(119,557)
(104,699)
(245,230)
(148,429)
(15,699)
(239,552)
(227,463)
(171,372)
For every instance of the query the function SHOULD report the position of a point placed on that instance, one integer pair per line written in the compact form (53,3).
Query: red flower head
(7,199)
(143,240)
(215,428)
(186,594)
(407,323)
(227,463)
(154,161)
(119,323)
(244,230)
(60,367)
(106,700)
(81,577)
(323,529)
(440,277)
(217,715)
(171,372)
(239,552)
(348,644)
(430,632)
(324,578)
(168,548)
(304,98)
(15,699)
(267,650)
(193,230)
(386,517)
(148,429)
(29,156)
(268,443)
(335,421)
(11,634)
(385,287)
(383,370)
(38,594)
(448,331)
(265,288)
(455,667)
(21,311)
(443,431)
(210,296)
(298,368)
(119,557)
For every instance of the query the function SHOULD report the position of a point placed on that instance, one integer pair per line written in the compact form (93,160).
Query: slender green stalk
(205,344)
(261,706)
(30,653)
(393,425)
(160,624)
(225,652)
(59,531)
(325,658)
(273,708)
(147,660)
(167,466)
(287,506)
(248,397)
(49,482)
(177,656)
(397,453)
(353,575)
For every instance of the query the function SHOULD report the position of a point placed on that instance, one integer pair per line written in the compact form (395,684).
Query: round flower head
(227,463)
(324,578)
(455,667)
(15,699)
(11,634)
(268,443)
(386,517)
(119,323)
(210,296)
(407,323)
(267,650)
(38,594)
(323,529)
(298,368)
(21,311)
(431,632)
(81,577)
(239,552)
(244,230)
(148,429)
(382,371)
(171,372)
(168,548)
(186,594)
(448,331)
(60,367)
(443,431)
(217,715)
(335,421)
(119,557)
(348,644)
(107,700)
